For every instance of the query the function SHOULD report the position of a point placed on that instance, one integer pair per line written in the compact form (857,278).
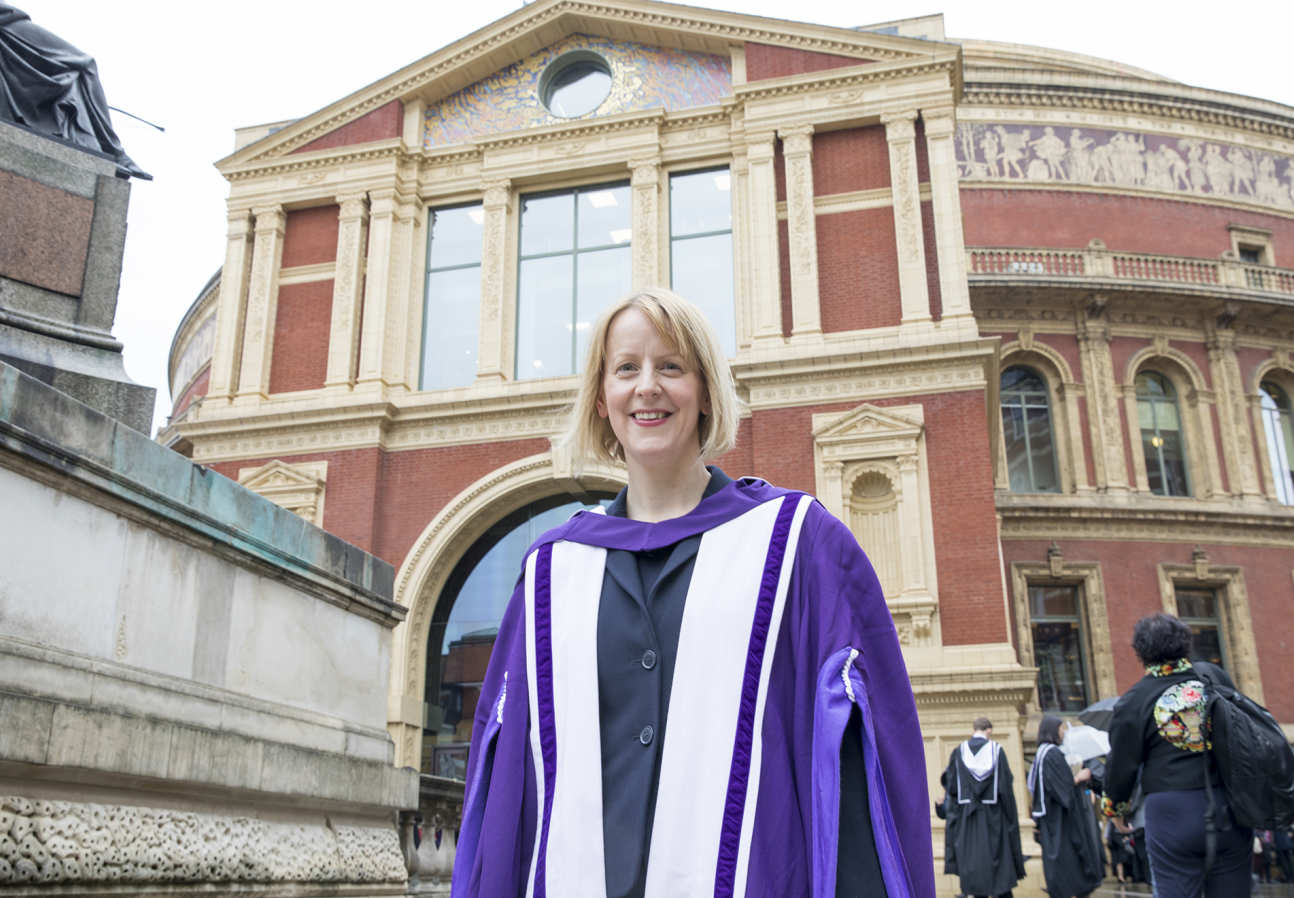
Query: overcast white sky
(203,69)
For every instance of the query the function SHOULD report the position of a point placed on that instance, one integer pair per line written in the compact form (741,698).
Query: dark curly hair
(1160,637)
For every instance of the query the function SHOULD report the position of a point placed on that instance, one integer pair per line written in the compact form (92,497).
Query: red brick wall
(766,61)
(301,326)
(854,159)
(737,462)
(310,236)
(1066,220)
(962,506)
(1251,360)
(350,498)
(380,124)
(1129,573)
(196,389)
(932,260)
(858,272)
(418,483)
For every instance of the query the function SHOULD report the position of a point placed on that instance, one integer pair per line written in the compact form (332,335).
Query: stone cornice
(365,152)
(850,77)
(1104,93)
(696,29)
(1147,519)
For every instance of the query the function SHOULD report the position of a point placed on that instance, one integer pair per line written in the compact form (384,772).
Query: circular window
(575,83)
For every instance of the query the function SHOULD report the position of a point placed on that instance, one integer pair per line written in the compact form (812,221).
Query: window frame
(1094,625)
(1051,426)
(1084,646)
(1182,430)
(425,286)
(1280,478)
(519,258)
(1239,648)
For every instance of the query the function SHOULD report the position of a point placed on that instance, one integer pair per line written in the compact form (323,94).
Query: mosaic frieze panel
(642,77)
(1187,165)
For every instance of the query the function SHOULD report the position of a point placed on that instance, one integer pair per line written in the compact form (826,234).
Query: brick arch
(438,549)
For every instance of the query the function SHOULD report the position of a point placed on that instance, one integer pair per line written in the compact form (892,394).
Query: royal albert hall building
(1017,316)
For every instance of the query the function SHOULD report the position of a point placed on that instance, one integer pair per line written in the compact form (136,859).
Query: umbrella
(1086,742)
(1099,714)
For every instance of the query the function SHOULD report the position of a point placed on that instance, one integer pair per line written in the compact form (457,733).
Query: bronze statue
(52,88)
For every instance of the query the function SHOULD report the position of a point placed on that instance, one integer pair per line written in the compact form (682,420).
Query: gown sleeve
(1010,814)
(496,837)
(845,630)
(1124,761)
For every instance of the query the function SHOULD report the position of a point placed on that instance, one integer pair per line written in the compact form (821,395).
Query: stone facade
(910,218)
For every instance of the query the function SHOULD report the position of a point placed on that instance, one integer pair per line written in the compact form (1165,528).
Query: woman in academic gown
(1071,855)
(698,691)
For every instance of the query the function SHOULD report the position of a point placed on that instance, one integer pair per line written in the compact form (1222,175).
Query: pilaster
(227,353)
(645,180)
(946,202)
(761,215)
(262,301)
(384,332)
(801,220)
(1233,422)
(343,340)
(1102,398)
(914,294)
(494,237)
(741,247)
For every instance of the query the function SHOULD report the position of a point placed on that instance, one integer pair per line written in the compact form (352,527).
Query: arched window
(1162,441)
(1026,432)
(465,625)
(1278,425)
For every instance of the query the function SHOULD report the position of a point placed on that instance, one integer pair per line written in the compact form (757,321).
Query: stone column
(385,333)
(913,543)
(343,340)
(741,247)
(645,179)
(914,295)
(262,301)
(946,201)
(494,257)
(1102,398)
(762,249)
(1233,422)
(226,357)
(801,221)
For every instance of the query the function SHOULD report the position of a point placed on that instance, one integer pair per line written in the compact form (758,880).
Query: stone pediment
(868,422)
(279,475)
(690,40)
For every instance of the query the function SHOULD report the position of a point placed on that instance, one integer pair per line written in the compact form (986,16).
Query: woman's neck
(658,495)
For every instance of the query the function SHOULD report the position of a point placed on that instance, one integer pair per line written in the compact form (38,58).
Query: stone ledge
(70,441)
(58,740)
(41,672)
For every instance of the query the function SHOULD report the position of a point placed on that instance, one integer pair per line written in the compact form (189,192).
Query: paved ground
(1112,889)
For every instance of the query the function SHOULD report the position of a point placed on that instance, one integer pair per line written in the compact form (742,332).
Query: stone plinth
(192,680)
(61,240)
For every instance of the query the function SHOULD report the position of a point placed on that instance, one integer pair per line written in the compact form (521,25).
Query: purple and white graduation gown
(785,631)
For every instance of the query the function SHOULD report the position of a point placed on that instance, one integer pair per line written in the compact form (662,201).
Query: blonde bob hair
(683,325)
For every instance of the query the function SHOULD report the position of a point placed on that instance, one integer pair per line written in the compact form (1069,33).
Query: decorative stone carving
(262,301)
(645,180)
(797,150)
(343,341)
(494,236)
(54,842)
(871,472)
(1160,162)
(914,293)
(297,487)
(227,354)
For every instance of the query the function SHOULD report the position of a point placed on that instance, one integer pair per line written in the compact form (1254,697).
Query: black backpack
(1254,761)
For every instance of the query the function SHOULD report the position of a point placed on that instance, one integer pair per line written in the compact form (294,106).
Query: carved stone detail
(797,151)
(226,361)
(494,238)
(1103,405)
(54,842)
(262,301)
(914,295)
(645,181)
(343,341)
(297,487)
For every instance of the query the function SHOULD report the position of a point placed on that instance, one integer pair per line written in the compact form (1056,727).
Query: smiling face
(651,396)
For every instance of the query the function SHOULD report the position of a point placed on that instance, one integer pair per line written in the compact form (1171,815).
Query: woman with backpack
(1158,728)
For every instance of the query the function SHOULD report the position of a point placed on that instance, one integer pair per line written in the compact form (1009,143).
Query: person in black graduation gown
(1071,855)
(983,827)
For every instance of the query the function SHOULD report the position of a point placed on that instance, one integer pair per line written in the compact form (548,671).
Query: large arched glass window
(1278,426)
(464,627)
(1162,442)
(1026,432)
